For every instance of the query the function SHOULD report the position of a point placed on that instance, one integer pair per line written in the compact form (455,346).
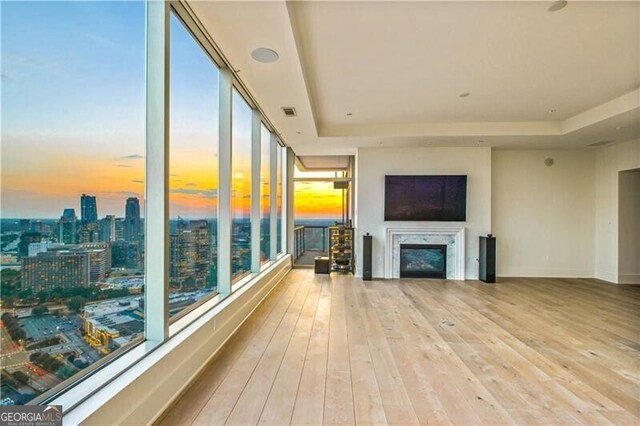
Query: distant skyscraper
(89,233)
(51,269)
(190,254)
(120,229)
(132,222)
(99,264)
(127,254)
(88,209)
(107,229)
(67,227)
(99,253)
(132,208)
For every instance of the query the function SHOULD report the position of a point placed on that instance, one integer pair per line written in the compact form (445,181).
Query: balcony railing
(310,239)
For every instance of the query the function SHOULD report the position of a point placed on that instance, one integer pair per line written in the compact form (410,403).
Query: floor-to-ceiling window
(193,175)
(73,187)
(265,182)
(280,164)
(72,212)
(240,186)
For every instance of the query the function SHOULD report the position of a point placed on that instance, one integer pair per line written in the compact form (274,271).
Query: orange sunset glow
(317,200)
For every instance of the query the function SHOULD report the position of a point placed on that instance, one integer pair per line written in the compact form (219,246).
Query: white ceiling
(399,67)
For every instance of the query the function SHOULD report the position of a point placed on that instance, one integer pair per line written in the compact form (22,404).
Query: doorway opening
(322,198)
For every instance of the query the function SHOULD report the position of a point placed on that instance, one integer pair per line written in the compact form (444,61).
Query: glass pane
(265,212)
(193,183)
(240,186)
(281,156)
(72,238)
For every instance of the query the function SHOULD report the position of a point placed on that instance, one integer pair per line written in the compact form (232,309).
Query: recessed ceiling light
(264,55)
(551,111)
(481,141)
(464,95)
(349,114)
(299,133)
(557,5)
(619,128)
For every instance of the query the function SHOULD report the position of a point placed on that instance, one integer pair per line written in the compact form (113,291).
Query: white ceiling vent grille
(601,143)
(289,111)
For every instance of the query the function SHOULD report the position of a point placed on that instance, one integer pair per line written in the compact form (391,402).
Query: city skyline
(59,141)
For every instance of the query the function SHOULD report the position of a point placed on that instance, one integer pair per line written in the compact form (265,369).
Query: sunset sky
(73,116)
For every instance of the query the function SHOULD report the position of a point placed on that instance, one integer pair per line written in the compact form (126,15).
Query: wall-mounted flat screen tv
(439,198)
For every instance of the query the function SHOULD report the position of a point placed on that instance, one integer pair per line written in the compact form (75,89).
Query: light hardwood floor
(339,350)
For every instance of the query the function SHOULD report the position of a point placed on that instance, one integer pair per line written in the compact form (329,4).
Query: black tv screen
(441,198)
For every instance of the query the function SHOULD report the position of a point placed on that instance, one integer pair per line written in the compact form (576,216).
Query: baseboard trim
(629,279)
(546,273)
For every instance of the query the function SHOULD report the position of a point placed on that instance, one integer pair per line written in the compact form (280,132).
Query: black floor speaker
(367,257)
(488,259)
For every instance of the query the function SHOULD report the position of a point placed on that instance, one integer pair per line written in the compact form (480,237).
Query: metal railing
(312,238)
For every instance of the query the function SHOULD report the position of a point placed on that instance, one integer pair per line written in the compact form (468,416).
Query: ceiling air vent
(289,111)
(600,143)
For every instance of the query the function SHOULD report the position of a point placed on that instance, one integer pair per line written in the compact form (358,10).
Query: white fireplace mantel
(453,235)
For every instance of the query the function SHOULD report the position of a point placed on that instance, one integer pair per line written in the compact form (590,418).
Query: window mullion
(156,169)
(256,122)
(224,188)
(287,200)
(273,196)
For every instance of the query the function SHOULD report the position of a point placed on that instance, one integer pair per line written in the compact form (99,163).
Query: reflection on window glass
(265,212)
(281,156)
(72,189)
(240,186)
(193,183)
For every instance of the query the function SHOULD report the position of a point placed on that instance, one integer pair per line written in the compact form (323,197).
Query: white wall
(609,162)
(629,227)
(543,216)
(374,163)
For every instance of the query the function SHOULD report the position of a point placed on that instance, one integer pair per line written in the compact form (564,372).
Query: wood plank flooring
(339,350)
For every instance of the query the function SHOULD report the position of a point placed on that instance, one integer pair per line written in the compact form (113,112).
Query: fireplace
(451,236)
(423,261)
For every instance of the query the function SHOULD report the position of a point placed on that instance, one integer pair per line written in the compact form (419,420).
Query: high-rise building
(201,235)
(107,229)
(100,260)
(88,209)
(127,254)
(89,233)
(132,222)
(98,265)
(67,227)
(58,268)
(120,229)
(190,254)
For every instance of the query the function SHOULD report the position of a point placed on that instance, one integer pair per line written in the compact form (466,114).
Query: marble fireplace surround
(451,236)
